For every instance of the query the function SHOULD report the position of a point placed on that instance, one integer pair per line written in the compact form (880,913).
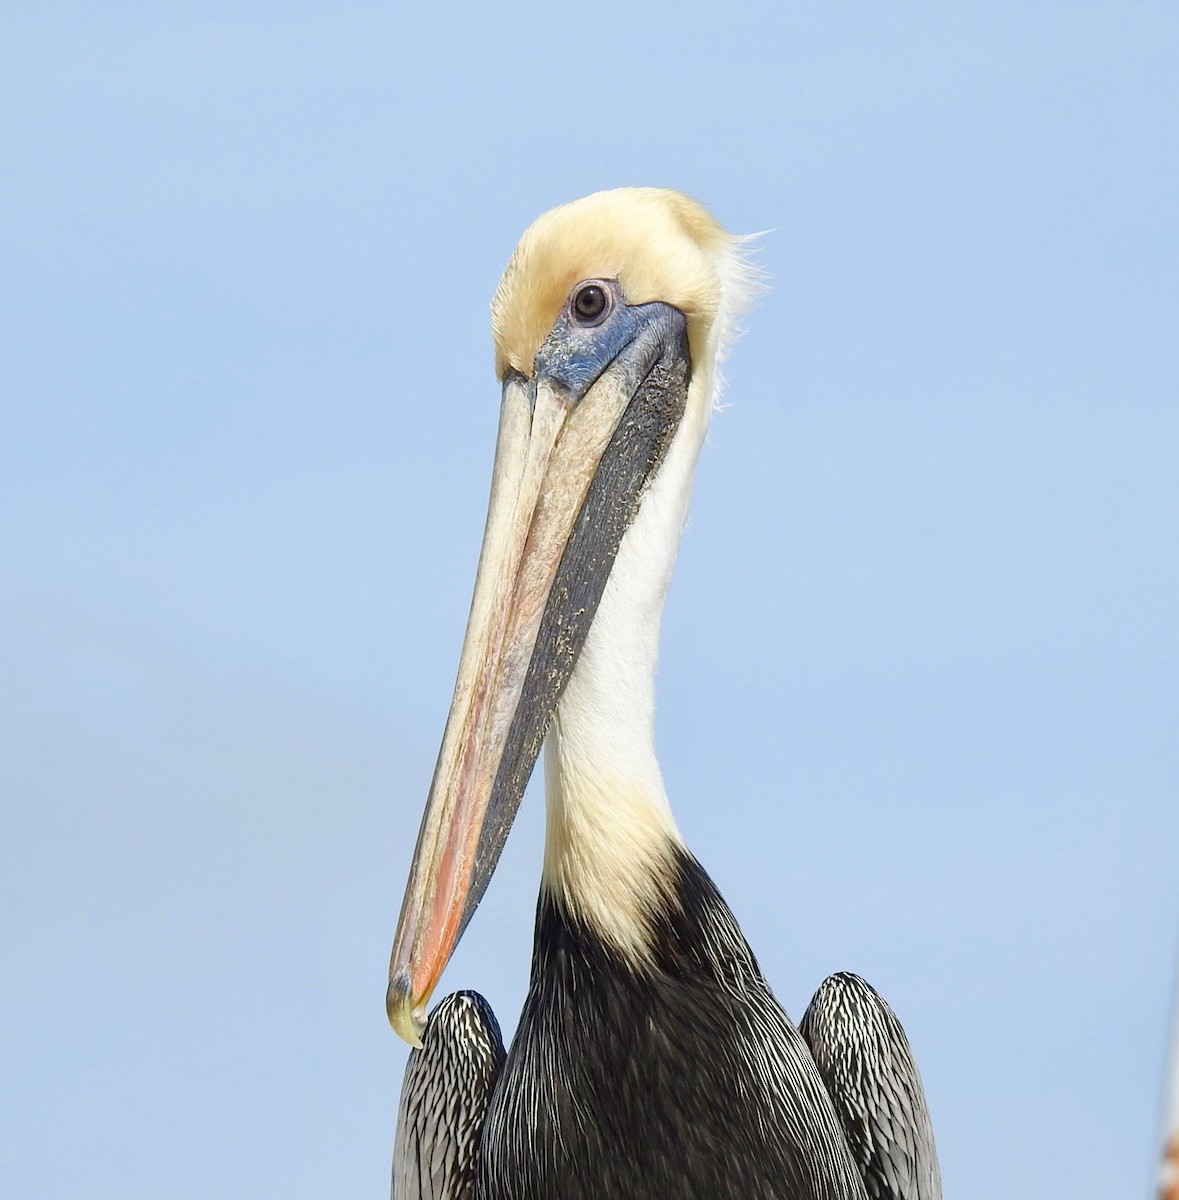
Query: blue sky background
(918,688)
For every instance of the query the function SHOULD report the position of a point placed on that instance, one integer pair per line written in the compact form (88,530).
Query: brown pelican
(651,1059)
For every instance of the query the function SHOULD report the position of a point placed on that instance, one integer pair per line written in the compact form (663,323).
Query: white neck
(610,836)
(611,841)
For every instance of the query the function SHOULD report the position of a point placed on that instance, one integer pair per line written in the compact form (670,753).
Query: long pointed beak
(570,466)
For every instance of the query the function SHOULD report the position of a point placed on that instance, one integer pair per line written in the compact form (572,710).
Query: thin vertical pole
(1169,1175)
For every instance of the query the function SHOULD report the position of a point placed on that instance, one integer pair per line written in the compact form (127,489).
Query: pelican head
(609,322)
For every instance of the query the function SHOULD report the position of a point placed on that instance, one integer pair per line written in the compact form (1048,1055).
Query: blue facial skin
(573,355)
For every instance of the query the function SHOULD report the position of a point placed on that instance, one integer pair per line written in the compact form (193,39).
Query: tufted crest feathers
(659,244)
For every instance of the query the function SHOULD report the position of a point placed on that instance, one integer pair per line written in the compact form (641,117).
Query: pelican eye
(590,304)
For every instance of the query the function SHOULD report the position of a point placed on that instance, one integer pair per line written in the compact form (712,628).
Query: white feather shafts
(867,1066)
(444,1097)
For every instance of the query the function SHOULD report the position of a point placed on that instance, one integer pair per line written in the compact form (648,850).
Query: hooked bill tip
(407,1019)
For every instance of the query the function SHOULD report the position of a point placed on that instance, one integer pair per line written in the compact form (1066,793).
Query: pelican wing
(448,1083)
(865,1062)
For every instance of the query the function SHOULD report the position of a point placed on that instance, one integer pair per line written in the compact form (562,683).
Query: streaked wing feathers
(444,1101)
(864,1059)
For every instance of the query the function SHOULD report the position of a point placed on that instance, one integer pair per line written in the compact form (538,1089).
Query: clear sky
(918,689)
